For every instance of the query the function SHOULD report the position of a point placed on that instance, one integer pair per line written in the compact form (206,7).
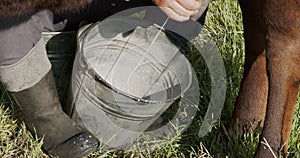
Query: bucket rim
(137,23)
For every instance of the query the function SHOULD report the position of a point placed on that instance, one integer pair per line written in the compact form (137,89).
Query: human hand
(182,10)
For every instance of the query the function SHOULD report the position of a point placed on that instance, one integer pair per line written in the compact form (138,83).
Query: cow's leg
(283,64)
(252,99)
(283,68)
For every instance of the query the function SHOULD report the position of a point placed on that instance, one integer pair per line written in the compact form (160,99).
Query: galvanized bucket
(126,74)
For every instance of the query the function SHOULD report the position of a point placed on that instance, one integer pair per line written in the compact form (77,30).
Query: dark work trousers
(18,35)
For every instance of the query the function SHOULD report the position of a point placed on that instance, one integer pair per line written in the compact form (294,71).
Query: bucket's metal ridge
(120,85)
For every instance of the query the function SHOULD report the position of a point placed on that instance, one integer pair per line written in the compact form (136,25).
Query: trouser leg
(19,35)
(100,10)
(26,73)
(103,9)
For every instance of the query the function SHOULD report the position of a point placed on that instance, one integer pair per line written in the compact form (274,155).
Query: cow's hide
(10,8)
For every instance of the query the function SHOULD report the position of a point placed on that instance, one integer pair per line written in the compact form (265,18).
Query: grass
(224,26)
(15,139)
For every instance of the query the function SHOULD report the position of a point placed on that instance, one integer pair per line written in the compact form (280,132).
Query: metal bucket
(124,78)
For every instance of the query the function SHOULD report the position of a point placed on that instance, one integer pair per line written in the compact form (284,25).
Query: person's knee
(14,46)
(20,37)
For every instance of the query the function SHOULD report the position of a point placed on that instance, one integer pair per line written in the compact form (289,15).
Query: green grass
(16,141)
(224,26)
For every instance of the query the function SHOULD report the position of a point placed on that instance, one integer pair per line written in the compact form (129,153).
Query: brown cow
(272,70)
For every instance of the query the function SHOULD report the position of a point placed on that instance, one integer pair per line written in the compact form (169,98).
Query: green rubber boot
(44,116)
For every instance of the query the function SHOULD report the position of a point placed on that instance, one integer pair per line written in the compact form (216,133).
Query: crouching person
(25,69)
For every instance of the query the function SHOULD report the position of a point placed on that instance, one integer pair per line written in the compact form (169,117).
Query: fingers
(179,10)
(190,4)
(173,15)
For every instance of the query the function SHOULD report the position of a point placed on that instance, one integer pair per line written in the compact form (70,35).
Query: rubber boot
(44,116)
